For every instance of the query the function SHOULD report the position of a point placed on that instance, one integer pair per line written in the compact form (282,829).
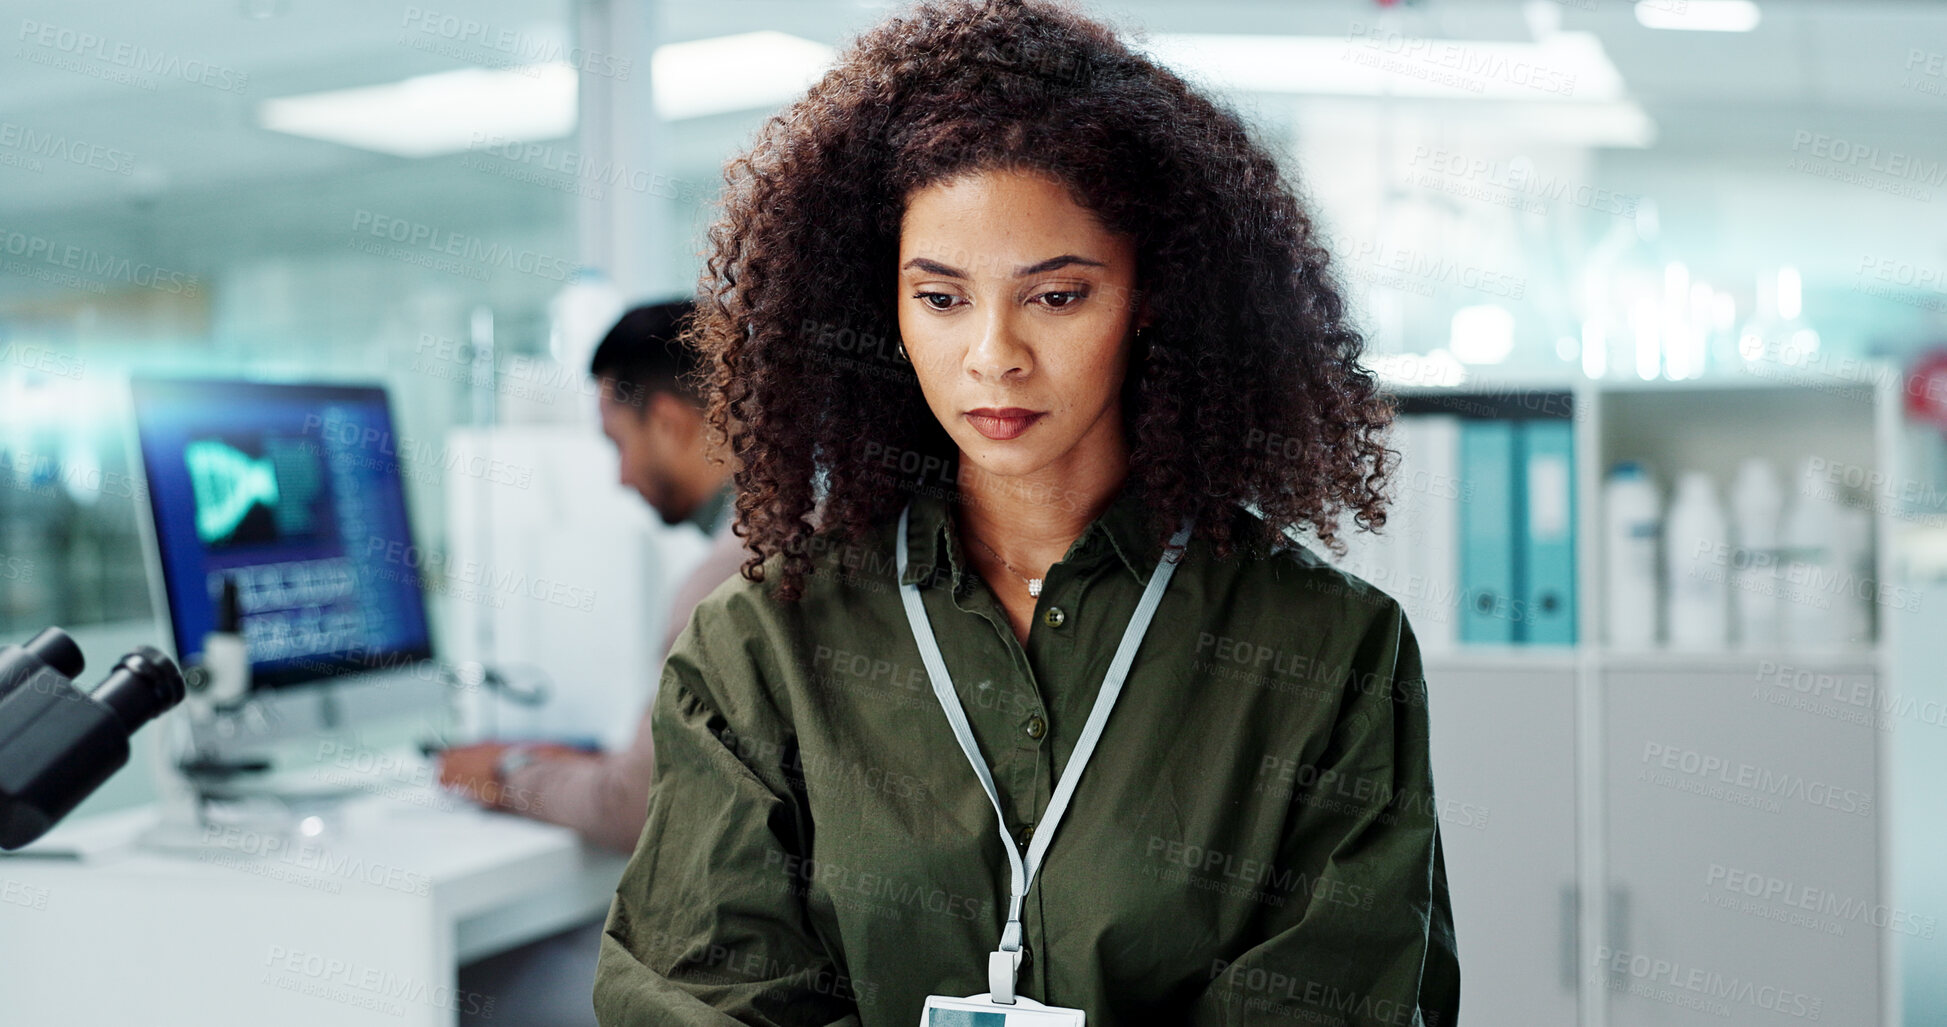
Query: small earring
(902,352)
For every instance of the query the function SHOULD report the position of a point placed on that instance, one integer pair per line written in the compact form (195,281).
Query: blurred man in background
(653,413)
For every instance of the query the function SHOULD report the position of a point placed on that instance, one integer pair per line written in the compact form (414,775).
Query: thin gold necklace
(1034,584)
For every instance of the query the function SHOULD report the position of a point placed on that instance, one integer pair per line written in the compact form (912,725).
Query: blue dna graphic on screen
(241,498)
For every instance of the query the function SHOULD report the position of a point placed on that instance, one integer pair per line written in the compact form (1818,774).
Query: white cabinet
(1741,818)
(1504,773)
(1680,838)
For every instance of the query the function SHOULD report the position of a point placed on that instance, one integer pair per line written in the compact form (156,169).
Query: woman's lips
(1003,424)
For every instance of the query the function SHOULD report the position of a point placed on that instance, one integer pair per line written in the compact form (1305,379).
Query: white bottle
(223,676)
(1757,509)
(1697,570)
(1630,504)
(1814,615)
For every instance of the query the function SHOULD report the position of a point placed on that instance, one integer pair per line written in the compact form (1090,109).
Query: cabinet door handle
(1570,933)
(1618,931)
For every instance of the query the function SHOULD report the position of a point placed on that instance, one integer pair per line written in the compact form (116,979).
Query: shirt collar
(1121,531)
(714,514)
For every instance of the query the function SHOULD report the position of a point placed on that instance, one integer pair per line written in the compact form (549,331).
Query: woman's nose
(999,351)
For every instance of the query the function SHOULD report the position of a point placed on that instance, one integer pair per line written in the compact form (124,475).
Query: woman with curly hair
(1032,362)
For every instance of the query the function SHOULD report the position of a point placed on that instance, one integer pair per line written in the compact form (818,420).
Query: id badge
(980,1011)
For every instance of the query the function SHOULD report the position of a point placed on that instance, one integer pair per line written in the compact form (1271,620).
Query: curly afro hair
(1245,391)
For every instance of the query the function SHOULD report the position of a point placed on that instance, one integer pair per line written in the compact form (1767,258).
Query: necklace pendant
(1034,586)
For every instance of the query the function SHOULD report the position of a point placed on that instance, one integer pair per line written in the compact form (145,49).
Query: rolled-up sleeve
(705,927)
(1372,942)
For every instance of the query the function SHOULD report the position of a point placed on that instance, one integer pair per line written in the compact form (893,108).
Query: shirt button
(1053,617)
(1027,835)
(1037,727)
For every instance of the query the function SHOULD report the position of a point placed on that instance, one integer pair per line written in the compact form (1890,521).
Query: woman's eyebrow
(1055,262)
(934,267)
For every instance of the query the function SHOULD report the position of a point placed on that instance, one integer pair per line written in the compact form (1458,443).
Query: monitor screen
(294,493)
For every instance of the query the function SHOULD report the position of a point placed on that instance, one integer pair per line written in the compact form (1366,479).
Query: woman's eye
(1064,298)
(934,299)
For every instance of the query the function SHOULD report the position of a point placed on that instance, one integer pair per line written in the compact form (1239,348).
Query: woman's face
(1014,306)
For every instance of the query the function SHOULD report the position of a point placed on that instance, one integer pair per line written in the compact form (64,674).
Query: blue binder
(1487,550)
(1546,563)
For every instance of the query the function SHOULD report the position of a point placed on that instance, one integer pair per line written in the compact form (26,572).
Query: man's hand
(473,770)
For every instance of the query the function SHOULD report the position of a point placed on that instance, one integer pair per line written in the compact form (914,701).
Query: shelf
(1867,375)
(1841,661)
(1499,657)
(1783,377)
(1502,657)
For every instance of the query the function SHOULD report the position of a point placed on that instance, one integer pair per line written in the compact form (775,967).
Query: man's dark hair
(643,355)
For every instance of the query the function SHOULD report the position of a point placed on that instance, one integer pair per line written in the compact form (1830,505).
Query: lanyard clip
(1002,965)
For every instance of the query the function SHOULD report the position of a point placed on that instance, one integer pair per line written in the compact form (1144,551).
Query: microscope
(58,743)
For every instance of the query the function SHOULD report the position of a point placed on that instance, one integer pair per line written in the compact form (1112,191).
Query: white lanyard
(1005,962)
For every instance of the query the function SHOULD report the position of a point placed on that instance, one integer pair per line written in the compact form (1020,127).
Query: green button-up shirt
(1254,841)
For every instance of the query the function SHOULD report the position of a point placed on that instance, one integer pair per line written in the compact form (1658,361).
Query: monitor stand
(219,802)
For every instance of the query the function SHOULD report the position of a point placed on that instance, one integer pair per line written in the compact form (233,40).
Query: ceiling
(206,185)
(1831,63)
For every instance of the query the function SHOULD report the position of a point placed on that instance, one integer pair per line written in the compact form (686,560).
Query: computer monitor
(295,493)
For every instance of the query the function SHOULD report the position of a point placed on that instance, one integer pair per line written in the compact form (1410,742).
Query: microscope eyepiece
(58,744)
(143,685)
(57,650)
